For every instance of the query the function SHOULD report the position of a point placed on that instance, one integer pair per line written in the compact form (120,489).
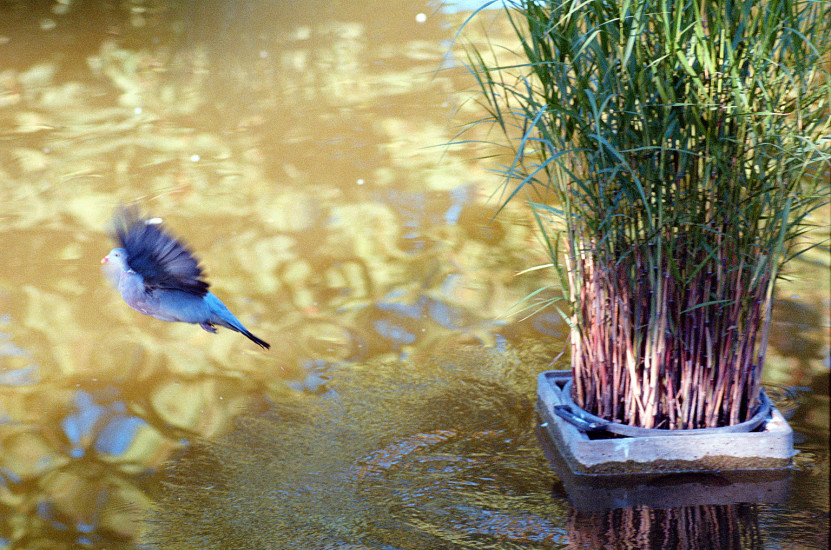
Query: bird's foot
(207,326)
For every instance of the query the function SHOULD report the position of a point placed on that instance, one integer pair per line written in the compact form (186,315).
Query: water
(299,151)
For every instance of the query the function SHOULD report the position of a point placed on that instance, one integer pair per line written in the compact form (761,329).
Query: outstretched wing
(161,260)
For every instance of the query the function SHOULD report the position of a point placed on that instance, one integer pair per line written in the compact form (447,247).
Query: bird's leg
(208,326)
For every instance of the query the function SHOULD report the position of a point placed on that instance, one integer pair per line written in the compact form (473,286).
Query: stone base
(770,447)
(665,490)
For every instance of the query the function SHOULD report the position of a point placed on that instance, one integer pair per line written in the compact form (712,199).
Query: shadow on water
(438,453)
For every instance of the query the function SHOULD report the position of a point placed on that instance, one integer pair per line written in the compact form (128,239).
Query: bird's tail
(262,343)
(223,317)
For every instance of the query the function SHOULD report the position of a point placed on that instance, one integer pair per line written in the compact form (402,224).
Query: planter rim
(588,422)
(768,448)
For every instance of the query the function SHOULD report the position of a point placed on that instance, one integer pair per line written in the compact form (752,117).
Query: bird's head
(114,264)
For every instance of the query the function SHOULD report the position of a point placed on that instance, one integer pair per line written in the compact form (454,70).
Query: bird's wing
(161,260)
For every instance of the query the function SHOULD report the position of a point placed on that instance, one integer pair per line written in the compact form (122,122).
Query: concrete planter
(587,450)
(667,489)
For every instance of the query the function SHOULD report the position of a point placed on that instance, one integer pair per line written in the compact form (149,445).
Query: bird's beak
(104,260)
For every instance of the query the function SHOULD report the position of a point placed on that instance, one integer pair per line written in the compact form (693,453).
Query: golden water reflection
(298,150)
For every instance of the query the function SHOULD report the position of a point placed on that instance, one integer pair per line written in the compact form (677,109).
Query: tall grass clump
(683,143)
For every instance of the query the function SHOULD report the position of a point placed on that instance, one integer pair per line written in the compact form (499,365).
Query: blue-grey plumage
(158,276)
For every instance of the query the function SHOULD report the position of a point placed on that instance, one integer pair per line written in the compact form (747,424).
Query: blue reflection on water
(117,435)
(111,430)
(15,377)
(20,377)
(419,209)
(388,329)
(79,425)
(455,6)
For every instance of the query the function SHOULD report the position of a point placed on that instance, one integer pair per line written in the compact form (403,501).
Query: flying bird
(157,275)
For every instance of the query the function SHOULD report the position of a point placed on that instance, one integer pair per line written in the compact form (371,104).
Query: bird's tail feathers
(233,324)
(223,317)
(262,343)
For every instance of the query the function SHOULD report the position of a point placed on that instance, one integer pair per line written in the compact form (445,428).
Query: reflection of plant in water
(382,459)
(684,528)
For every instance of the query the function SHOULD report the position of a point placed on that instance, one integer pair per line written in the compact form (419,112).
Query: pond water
(300,149)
